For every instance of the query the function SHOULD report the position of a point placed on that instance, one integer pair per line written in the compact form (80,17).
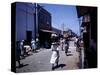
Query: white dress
(55,54)
(33,44)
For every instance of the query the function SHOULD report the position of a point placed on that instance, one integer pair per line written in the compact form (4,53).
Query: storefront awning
(49,31)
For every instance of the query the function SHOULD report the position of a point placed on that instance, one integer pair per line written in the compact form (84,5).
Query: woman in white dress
(55,54)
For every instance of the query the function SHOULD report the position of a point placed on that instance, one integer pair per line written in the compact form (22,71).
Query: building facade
(29,21)
(44,27)
(88,29)
(25,26)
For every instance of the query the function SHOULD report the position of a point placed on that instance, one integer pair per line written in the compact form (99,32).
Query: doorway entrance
(29,36)
(45,39)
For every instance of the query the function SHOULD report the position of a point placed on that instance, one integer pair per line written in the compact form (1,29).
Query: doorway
(29,36)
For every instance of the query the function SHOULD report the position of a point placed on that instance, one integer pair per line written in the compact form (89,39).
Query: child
(55,54)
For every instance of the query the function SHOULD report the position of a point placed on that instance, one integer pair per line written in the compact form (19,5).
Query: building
(44,27)
(70,33)
(88,29)
(56,30)
(28,22)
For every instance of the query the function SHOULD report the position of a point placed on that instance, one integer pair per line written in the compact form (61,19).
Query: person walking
(22,48)
(33,45)
(75,41)
(62,44)
(18,53)
(37,43)
(55,54)
(66,46)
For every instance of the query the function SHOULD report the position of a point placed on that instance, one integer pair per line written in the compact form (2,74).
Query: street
(40,61)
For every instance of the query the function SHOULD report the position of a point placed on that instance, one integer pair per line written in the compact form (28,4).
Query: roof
(49,31)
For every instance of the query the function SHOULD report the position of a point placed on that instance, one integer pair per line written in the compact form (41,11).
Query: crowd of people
(62,43)
(23,49)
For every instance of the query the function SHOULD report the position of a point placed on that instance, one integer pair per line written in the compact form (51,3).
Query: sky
(63,14)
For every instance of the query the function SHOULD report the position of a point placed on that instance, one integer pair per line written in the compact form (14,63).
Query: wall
(24,20)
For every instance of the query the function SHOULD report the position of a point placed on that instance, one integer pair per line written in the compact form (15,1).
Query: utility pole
(35,21)
(79,26)
(62,29)
(36,25)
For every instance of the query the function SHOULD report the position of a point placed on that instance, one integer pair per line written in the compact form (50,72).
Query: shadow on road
(69,54)
(60,66)
(22,65)
(36,51)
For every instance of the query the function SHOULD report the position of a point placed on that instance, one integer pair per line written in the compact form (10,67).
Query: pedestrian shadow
(22,65)
(69,54)
(60,66)
(36,51)
(27,55)
(69,51)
